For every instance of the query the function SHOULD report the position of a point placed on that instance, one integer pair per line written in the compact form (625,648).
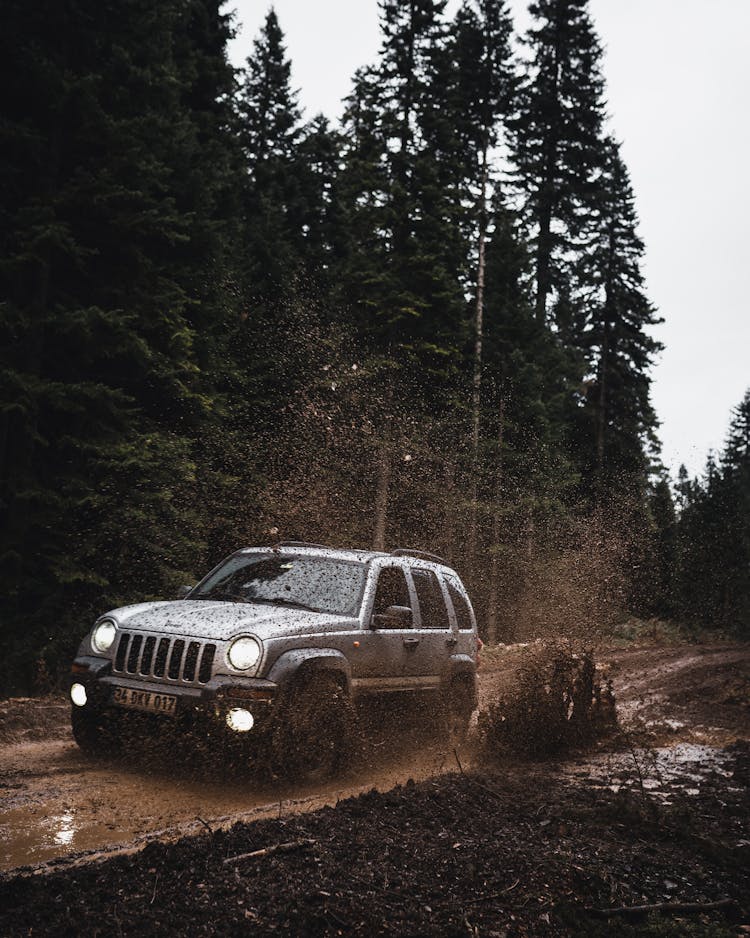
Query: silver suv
(283,646)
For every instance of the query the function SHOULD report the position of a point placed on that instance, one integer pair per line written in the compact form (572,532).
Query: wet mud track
(59,806)
(523,850)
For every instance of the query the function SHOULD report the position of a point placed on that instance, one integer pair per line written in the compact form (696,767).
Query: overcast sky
(678,89)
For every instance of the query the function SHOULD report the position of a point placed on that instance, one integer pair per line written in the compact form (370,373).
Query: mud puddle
(664,773)
(59,807)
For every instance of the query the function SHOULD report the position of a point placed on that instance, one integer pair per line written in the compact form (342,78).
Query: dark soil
(525,849)
(523,852)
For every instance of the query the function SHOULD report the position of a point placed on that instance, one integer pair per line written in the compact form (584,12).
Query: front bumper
(213,699)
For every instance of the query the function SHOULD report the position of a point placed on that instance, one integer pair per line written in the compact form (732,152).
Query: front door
(380,661)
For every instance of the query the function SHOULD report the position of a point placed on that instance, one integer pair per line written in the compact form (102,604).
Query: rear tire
(316,733)
(458,712)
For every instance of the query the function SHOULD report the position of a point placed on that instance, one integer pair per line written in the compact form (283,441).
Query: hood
(221,621)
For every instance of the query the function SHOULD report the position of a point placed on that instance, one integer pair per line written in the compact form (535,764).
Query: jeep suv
(283,646)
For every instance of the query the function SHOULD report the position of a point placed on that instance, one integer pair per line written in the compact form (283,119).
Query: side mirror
(182,591)
(394,617)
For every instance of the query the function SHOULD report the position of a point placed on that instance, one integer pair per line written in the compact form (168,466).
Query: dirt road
(59,807)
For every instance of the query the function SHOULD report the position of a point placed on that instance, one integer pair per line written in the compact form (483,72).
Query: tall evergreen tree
(269,130)
(485,84)
(399,179)
(101,320)
(735,501)
(616,422)
(406,259)
(556,133)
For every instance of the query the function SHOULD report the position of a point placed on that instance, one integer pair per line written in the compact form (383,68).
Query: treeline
(222,323)
(706,545)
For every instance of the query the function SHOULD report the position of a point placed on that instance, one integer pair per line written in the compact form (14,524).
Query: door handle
(411,642)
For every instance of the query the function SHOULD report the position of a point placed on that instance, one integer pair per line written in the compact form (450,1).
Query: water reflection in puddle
(66,829)
(663,772)
(29,837)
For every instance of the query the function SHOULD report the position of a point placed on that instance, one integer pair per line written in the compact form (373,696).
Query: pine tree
(484,86)
(101,387)
(735,502)
(664,598)
(399,181)
(270,125)
(617,422)
(405,260)
(556,133)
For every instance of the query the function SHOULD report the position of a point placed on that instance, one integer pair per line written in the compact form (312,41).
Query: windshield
(319,584)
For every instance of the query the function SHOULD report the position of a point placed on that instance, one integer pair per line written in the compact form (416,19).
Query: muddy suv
(282,647)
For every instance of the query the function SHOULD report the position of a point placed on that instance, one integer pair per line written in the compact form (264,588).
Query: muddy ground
(657,815)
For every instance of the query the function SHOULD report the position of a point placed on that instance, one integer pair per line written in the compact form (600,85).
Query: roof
(350,554)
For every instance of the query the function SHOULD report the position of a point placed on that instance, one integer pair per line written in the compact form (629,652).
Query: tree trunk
(476,394)
(603,403)
(493,596)
(450,510)
(601,424)
(381,494)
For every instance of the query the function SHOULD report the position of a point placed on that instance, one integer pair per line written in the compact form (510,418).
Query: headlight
(104,635)
(243,653)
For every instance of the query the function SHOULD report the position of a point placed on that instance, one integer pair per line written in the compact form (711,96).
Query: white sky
(678,87)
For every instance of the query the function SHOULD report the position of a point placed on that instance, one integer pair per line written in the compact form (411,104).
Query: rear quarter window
(431,600)
(460,606)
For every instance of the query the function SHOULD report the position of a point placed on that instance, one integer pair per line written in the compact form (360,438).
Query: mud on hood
(221,621)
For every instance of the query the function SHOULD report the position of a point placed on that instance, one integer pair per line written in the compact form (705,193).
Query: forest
(422,325)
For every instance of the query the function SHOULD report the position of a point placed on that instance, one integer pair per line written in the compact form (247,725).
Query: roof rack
(422,554)
(302,544)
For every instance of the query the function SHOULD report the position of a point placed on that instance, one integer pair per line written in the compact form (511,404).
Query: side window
(431,601)
(391,590)
(460,606)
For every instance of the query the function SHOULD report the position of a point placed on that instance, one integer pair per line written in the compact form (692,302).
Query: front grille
(189,662)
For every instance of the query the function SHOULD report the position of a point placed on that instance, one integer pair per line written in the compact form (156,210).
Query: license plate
(144,700)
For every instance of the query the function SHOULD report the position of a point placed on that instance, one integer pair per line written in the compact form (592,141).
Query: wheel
(93,734)
(459,706)
(316,733)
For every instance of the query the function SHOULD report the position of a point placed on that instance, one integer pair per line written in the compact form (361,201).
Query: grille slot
(135,650)
(148,655)
(175,659)
(122,650)
(160,664)
(191,659)
(207,661)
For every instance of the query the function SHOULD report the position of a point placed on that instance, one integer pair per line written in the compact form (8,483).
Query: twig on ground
(494,895)
(473,780)
(669,908)
(267,851)
(205,824)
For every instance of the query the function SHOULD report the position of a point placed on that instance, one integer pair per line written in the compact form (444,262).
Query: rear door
(426,661)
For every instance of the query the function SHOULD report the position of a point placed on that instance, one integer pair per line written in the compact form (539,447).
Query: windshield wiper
(283,601)
(222,596)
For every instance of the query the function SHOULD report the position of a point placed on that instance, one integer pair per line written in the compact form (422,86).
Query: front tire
(316,731)
(93,735)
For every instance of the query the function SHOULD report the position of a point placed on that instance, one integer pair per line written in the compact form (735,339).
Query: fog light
(78,695)
(240,720)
